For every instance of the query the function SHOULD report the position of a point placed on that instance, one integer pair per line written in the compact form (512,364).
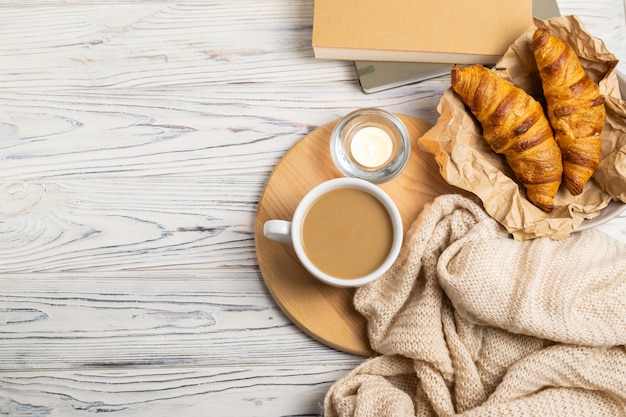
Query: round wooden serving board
(324,312)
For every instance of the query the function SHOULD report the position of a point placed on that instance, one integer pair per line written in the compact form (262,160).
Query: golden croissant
(575,108)
(515,125)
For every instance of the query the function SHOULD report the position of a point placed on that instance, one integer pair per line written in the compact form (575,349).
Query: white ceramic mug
(291,231)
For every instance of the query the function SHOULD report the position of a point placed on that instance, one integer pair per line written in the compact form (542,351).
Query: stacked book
(403,41)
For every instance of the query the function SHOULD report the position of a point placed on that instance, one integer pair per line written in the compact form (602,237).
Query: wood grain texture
(295,390)
(218,132)
(147,319)
(136,138)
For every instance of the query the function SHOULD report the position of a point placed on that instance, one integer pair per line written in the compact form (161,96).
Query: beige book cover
(376,76)
(449,31)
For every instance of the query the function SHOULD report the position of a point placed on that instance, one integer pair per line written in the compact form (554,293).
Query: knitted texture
(471,322)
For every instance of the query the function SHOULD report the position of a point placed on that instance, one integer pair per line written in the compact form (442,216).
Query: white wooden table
(135,140)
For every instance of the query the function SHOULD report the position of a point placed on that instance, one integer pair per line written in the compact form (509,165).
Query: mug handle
(278,230)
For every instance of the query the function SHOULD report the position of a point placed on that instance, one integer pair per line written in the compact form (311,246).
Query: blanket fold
(471,322)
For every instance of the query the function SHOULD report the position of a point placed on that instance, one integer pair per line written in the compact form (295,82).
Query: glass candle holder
(371,144)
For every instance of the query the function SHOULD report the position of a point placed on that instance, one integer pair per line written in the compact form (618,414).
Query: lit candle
(371,146)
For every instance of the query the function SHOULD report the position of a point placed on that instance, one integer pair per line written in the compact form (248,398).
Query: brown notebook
(450,31)
(377,76)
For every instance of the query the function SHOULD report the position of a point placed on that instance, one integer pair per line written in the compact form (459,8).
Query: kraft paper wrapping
(467,161)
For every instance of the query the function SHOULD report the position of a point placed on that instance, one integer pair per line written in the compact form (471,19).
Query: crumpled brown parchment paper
(467,161)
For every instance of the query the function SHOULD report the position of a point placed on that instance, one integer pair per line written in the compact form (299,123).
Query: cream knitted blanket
(471,322)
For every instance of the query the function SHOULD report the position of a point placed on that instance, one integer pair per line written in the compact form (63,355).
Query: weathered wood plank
(160,44)
(260,391)
(111,225)
(208,132)
(206,318)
